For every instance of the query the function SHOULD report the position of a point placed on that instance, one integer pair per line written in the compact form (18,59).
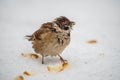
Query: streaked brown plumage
(52,38)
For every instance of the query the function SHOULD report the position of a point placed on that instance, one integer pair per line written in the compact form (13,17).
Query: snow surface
(95,19)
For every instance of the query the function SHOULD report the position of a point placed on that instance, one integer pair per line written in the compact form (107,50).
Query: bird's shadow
(51,60)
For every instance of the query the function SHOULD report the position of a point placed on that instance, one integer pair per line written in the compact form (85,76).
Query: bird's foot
(62,60)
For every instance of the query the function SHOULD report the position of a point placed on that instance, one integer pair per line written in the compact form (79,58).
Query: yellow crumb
(34,56)
(30,55)
(31,73)
(58,67)
(26,73)
(19,77)
(92,41)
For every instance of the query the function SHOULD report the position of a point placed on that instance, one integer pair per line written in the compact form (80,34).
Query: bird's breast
(52,44)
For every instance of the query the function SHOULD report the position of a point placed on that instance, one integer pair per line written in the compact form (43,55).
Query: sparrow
(52,37)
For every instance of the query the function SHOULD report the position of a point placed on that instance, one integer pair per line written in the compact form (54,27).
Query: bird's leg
(64,61)
(42,59)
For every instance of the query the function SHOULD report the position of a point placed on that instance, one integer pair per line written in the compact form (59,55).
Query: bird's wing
(45,30)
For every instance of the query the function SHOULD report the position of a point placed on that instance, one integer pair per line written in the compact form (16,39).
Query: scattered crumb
(58,67)
(30,55)
(65,65)
(34,56)
(31,73)
(19,78)
(26,73)
(92,41)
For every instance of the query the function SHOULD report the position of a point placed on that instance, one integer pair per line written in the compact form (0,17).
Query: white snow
(95,19)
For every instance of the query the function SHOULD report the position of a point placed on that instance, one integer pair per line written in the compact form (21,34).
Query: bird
(52,37)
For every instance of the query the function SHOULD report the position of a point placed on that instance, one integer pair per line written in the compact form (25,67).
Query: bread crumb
(58,67)
(49,68)
(55,68)
(31,73)
(30,55)
(19,78)
(26,73)
(34,56)
(65,65)
(92,41)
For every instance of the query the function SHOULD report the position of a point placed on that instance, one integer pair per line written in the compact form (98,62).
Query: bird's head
(64,23)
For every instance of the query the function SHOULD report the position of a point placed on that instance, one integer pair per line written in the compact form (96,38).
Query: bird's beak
(72,23)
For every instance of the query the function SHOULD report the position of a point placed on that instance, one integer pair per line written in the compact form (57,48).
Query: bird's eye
(66,27)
